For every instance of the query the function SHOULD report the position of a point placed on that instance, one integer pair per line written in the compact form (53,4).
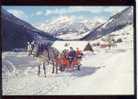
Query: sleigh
(69,66)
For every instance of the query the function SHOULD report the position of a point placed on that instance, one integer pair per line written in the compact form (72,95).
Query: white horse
(46,57)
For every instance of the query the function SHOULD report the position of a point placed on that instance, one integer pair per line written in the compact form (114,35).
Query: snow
(109,78)
(114,23)
(103,72)
(72,35)
(68,27)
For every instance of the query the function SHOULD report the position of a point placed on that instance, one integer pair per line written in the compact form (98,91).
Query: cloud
(114,9)
(98,9)
(86,8)
(57,11)
(18,13)
(75,9)
(38,13)
(48,12)
(99,19)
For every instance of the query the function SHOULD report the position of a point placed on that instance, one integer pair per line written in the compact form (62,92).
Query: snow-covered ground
(103,72)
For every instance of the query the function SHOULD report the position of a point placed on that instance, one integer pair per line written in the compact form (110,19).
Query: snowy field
(103,72)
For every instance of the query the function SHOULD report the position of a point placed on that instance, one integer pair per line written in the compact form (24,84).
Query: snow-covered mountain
(66,26)
(16,33)
(114,23)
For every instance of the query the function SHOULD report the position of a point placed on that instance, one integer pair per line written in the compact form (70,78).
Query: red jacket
(78,52)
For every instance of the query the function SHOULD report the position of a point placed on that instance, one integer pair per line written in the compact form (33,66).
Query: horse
(46,56)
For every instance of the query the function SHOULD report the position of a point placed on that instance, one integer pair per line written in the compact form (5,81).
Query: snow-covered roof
(61,45)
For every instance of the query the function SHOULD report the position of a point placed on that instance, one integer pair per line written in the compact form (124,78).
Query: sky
(41,14)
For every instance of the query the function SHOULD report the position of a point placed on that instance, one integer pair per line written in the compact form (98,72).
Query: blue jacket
(72,54)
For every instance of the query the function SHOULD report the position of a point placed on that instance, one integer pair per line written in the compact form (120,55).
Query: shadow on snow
(85,71)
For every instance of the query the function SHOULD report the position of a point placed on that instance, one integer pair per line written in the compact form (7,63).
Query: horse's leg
(56,68)
(39,70)
(53,69)
(29,53)
(44,68)
(48,56)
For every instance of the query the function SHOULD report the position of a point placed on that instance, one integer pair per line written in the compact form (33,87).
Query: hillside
(16,33)
(114,23)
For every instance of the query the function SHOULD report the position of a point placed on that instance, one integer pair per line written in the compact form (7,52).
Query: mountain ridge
(114,23)
(16,32)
